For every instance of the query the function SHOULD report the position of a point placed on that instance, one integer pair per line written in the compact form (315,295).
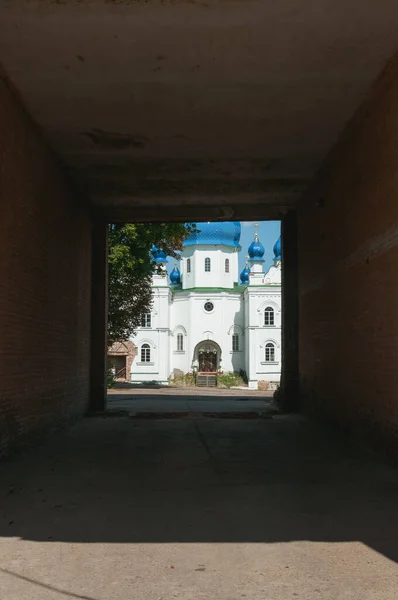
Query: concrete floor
(195,508)
(133,398)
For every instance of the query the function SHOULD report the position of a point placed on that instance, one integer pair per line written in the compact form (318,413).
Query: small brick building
(120,357)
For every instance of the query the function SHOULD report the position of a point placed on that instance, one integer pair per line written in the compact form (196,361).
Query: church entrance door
(207,362)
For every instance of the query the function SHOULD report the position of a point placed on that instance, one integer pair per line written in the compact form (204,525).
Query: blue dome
(159,256)
(277,249)
(256,249)
(244,276)
(226,234)
(175,276)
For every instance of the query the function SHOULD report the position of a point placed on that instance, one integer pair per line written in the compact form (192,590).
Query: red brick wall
(45,284)
(126,349)
(348,268)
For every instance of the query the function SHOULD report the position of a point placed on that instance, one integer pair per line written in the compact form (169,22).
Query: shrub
(190,379)
(183,379)
(229,380)
(110,377)
(243,374)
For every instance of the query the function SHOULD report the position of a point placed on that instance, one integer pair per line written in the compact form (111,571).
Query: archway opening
(207,357)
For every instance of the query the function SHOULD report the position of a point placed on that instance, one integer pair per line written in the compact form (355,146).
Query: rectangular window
(235,342)
(180,342)
(270,353)
(146,320)
(145,353)
(269,318)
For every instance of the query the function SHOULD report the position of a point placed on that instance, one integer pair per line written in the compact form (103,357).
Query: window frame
(180,342)
(226,265)
(188,265)
(145,353)
(207,264)
(235,342)
(269,315)
(269,352)
(208,310)
(146,321)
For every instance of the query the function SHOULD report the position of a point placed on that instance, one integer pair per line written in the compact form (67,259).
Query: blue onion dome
(278,250)
(175,276)
(217,233)
(244,276)
(159,256)
(256,249)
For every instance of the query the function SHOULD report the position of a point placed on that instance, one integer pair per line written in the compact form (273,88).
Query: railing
(118,374)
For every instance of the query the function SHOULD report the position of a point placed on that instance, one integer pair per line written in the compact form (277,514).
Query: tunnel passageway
(179,111)
(125,507)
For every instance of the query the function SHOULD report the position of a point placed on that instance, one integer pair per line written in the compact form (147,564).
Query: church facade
(206,318)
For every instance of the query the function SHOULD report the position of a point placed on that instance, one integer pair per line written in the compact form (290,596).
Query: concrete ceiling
(226,105)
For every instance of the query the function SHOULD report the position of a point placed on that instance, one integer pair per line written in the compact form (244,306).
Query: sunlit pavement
(275,508)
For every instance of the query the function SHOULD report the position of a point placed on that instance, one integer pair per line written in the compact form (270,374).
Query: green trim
(145,373)
(237,290)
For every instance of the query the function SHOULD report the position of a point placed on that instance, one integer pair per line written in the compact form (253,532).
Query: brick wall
(127,350)
(348,268)
(44,281)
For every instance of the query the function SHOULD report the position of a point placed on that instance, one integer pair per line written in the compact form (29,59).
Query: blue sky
(268,233)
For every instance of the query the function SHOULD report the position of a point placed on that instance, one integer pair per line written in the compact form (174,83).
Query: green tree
(131,266)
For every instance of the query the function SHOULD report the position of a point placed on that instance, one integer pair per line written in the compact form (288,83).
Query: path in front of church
(164,399)
(197,508)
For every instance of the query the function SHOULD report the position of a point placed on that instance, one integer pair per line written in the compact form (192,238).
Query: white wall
(157,336)
(182,311)
(256,300)
(188,315)
(217,277)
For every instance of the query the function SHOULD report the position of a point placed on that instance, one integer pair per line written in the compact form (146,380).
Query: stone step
(206,380)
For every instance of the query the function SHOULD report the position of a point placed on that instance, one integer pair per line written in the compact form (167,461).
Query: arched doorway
(207,357)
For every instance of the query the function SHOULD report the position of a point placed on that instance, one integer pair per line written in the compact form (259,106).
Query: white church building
(208,319)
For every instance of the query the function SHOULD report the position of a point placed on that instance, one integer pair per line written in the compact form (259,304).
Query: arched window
(207,265)
(269,352)
(235,342)
(227,265)
(269,316)
(145,353)
(146,320)
(180,342)
(188,265)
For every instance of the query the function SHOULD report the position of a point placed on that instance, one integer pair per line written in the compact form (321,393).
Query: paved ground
(201,509)
(135,398)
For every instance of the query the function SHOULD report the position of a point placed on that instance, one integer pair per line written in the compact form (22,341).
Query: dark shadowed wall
(348,269)
(45,246)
